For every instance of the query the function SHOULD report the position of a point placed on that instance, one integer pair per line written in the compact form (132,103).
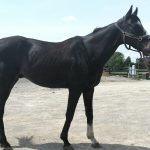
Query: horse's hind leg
(6,84)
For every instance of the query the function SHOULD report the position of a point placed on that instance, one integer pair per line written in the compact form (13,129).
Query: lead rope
(146,63)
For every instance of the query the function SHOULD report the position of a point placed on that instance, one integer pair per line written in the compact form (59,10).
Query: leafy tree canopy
(116,62)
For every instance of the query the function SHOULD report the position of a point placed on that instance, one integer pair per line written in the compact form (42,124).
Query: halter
(139,39)
(129,35)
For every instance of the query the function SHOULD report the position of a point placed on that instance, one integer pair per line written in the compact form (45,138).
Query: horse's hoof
(96,145)
(68,147)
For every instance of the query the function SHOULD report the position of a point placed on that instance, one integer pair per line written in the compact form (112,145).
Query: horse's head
(133,32)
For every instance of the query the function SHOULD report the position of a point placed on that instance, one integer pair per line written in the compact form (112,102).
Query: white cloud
(68,18)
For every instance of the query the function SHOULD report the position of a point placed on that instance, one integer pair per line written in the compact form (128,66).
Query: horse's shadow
(26,142)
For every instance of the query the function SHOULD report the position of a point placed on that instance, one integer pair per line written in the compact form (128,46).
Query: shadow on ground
(26,142)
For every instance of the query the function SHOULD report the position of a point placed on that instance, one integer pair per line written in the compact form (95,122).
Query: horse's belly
(51,79)
(51,82)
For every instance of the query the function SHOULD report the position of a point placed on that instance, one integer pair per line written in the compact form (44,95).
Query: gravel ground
(34,116)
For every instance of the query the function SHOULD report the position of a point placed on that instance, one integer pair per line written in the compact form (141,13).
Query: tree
(140,63)
(127,62)
(115,62)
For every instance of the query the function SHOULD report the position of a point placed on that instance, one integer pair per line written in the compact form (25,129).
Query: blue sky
(57,20)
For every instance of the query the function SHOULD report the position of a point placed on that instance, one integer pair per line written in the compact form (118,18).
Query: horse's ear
(127,16)
(135,12)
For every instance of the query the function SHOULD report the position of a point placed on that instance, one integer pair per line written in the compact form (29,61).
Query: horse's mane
(97,29)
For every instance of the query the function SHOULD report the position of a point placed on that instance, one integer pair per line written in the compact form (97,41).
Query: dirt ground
(34,116)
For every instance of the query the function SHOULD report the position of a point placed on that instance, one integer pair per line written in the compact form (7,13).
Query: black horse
(76,64)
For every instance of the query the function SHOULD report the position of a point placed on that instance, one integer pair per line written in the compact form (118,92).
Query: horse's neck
(102,44)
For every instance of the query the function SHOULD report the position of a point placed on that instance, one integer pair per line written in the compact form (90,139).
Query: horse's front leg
(88,102)
(73,98)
